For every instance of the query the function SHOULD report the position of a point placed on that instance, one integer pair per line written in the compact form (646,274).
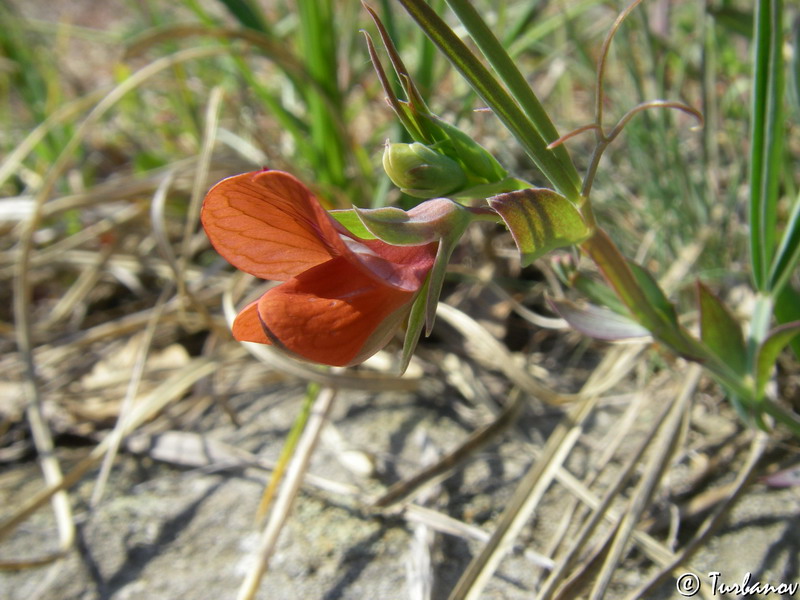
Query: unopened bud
(421,172)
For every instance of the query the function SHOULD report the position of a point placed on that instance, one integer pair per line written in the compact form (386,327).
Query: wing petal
(334,314)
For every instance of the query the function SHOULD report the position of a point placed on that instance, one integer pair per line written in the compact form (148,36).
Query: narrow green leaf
(319,48)
(769,351)
(289,446)
(720,331)
(788,254)
(795,65)
(494,95)
(767,136)
(787,309)
(504,66)
(789,420)
(539,220)
(655,296)
(598,292)
(246,14)
(436,278)
(523,38)
(641,295)
(425,74)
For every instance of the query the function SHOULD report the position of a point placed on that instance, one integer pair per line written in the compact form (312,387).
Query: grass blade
(318,45)
(246,15)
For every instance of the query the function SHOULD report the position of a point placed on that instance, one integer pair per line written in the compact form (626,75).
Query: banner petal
(268,224)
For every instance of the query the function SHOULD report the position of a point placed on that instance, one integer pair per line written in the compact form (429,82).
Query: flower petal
(405,267)
(335,313)
(247,326)
(268,224)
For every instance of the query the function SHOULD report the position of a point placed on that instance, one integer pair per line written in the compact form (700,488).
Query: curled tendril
(604,139)
(572,134)
(601,65)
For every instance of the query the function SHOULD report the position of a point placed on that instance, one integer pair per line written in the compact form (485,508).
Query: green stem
(502,64)
(615,268)
(759,328)
(612,263)
(760,321)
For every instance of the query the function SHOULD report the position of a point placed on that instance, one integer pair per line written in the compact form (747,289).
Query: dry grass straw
(24,329)
(288,493)
(664,445)
(661,443)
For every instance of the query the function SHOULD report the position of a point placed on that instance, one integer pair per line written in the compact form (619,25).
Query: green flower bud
(421,172)
(479,162)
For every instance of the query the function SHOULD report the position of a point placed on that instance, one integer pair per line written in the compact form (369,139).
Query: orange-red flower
(342,298)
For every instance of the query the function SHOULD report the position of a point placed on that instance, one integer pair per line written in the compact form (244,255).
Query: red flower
(342,298)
